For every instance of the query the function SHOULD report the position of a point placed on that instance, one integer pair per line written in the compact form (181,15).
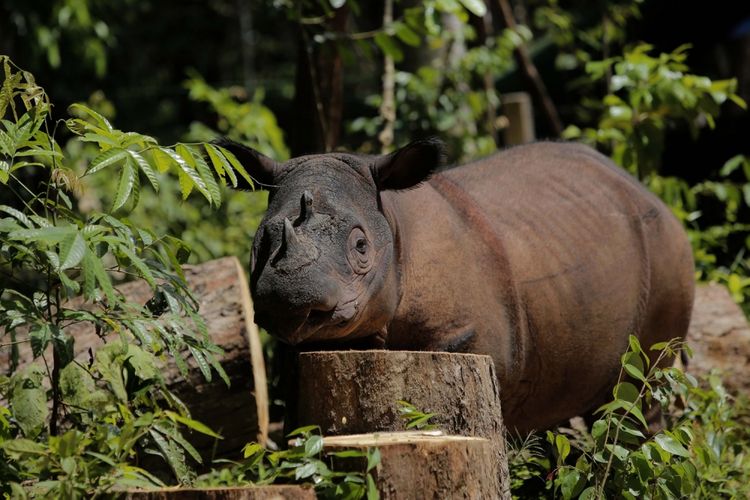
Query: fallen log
(357,392)
(239,412)
(281,492)
(426,464)
(719,336)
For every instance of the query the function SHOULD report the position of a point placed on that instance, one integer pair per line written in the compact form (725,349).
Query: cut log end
(282,492)
(422,465)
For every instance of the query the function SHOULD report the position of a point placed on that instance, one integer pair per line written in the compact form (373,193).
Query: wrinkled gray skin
(545,257)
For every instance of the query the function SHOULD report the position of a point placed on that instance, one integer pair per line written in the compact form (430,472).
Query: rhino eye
(361,246)
(358,254)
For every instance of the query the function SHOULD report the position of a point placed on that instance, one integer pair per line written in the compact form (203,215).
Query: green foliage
(437,97)
(63,22)
(415,418)
(52,441)
(720,245)
(243,120)
(583,36)
(647,95)
(700,453)
(304,462)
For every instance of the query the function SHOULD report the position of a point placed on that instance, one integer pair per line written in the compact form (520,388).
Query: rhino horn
(306,210)
(290,238)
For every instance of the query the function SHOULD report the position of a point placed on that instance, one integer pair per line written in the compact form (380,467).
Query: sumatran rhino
(546,257)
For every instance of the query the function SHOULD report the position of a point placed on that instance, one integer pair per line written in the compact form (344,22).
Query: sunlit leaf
(106,159)
(128,179)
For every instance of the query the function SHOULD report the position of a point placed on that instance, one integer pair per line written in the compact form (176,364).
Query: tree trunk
(319,90)
(239,412)
(355,392)
(426,464)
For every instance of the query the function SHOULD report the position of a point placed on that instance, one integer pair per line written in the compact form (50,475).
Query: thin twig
(388,106)
(531,74)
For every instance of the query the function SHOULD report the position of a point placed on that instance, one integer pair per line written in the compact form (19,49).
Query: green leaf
(635,345)
(237,166)
(208,177)
(28,400)
(299,431)
(373,459)
(220,164)
(93,266)
(174,435)
(192,424)
(172,456)
(72,250)
(139,264)
(635,372)
(588,494)
(107,159)
(571,482)
(389,47)
(146,169)
(731,165)
(406,34)
(78,388)
(85,110)
(476,7)
(161,159)
(108,365)
(186,162)
(200,360)
(251,449)
(626,392)
(128,180)
(563,447)
(49,235)
(671,445)
(39,337)
(313,446)
(304,471)
(372,490)
(143,363)
(23,446)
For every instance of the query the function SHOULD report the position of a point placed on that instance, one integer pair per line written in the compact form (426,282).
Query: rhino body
(545,257)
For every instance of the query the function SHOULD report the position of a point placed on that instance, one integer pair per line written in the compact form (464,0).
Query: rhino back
(548,253)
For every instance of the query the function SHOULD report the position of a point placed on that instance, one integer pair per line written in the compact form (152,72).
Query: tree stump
(719,335)
(281,492)
(356,392)
(239,412)
(426,464)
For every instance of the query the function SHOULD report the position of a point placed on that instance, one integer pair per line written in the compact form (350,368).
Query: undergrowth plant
(303,462)
(699,453)
(73,423)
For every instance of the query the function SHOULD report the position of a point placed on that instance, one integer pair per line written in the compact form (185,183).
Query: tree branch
(530,73)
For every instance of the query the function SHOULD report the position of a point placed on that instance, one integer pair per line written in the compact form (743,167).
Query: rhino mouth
(322,325)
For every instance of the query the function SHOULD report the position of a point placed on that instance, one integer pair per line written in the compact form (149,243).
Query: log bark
(280,492)
(427,465)
(719,335)
(355,392)
(239,412)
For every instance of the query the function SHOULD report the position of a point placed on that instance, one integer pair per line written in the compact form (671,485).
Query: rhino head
(323,257)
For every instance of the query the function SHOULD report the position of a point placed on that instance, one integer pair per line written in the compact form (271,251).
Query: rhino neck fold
(387,204)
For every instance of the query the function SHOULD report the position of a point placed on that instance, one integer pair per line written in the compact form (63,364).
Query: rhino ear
(261,168)
(410,165)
